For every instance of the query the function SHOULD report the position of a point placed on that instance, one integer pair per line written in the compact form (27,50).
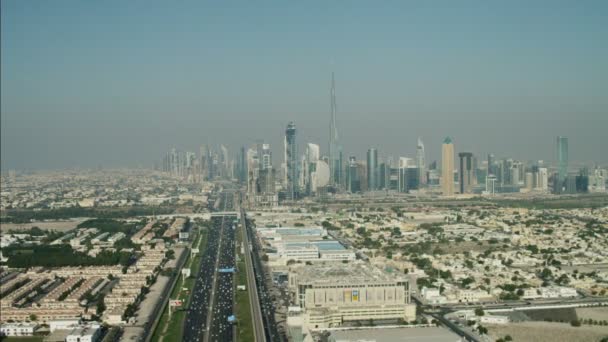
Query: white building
(89,333)
(331,294)
(17,329)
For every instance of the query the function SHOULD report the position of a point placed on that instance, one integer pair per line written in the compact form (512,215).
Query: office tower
(514,174)
(242,166)
(491,184)
(266,156)
(597,180)
(372,169)
(291,164)
(562,158)
(335,151)
(308,168)
(490,168)
(384,173)
(466,172)
(405,164)
(421,161)
(353,177)
(529,183)
(253,169)
(224,162)
(447,167)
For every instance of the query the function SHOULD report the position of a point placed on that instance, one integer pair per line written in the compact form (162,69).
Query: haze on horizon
(118,83)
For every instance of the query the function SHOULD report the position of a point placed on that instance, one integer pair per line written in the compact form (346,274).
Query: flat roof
(353,272)
(330,245)
(430,334)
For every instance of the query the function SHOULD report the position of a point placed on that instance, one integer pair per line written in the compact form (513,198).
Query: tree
(575,323)
(479,312)
(33,317)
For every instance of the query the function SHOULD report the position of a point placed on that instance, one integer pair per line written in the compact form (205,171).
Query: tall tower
(466,172)
(562,158)
(447,167)
(372,169)
(421,161)
(291,162)
(335,151)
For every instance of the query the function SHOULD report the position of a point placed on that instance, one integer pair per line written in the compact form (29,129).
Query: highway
(199,311)
(222,294)
(254,300)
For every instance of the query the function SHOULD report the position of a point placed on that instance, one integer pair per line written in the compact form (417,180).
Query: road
(254,300)
(265,300)
(220,329)
(197,316)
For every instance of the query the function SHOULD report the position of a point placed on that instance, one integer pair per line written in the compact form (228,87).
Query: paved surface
(212,299)
(263,282)
(254,300)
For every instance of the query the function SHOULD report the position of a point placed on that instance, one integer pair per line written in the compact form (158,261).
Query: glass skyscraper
(562,158)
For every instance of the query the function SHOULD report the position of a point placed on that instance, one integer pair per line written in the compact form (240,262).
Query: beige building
(447,167)
(330,294)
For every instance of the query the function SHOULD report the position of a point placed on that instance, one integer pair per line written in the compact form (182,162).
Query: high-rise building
(490,184)
(491,169)
(562,159)
(266,157)
(335,151)
(421,161)
(372,169)
(308,167)
(241,166)
(466,172)
(543,179)
(291,162)
(447,167)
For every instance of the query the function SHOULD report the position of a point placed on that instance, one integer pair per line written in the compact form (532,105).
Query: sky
(118,83)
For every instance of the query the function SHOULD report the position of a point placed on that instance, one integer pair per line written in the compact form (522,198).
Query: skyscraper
(266,156)
(447,167)
(242,166)
(372,169)
(421,161)
(466,172)
(291,162)
(562,159)
(335,151)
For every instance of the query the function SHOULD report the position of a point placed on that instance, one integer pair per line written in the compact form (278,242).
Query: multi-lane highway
(221,319)
(211,303)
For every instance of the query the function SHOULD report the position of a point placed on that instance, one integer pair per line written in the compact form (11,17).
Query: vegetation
(60,255)
(106,225)
(29,215)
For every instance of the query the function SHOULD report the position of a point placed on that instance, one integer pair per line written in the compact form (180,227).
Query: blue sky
(119,82)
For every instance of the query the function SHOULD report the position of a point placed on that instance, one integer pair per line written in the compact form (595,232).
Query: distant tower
(291,162)
(372,169)
(466,172)
(447,167)
(335,151)
(421,161)
(562,158)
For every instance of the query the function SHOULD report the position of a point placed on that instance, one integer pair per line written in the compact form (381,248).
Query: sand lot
(60,226)
(598,314)
(548,332)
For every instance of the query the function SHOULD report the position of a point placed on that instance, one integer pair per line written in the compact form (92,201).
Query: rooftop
(359,272)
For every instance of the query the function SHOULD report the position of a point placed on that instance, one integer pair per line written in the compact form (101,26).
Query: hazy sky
(117,83)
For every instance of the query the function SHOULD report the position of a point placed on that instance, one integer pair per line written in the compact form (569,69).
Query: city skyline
(66,102)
